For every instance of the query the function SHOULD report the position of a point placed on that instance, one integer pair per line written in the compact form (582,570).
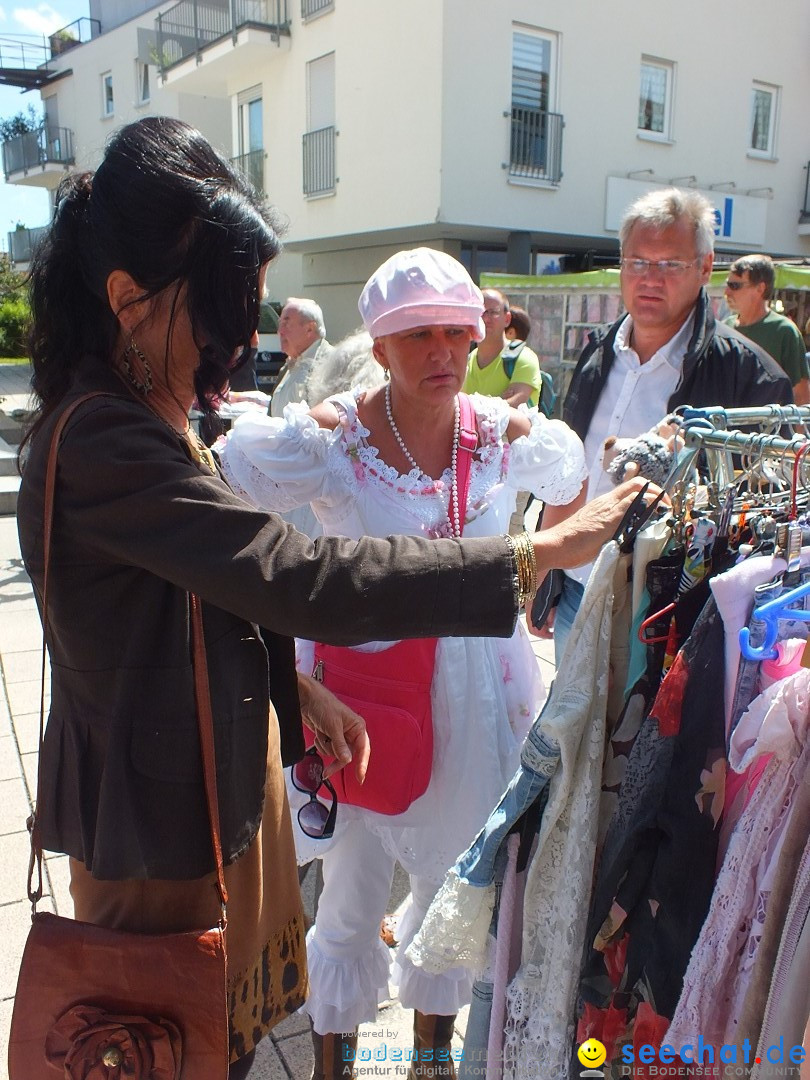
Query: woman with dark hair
(146,290)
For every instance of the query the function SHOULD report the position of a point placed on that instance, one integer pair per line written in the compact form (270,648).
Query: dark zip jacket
(720,367)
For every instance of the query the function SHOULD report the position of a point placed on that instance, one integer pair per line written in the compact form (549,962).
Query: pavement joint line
(15,737)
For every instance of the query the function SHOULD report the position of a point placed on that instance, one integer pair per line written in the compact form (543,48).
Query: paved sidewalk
(287,1052)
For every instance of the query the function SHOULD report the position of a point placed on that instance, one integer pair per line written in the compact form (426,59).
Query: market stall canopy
(787,277)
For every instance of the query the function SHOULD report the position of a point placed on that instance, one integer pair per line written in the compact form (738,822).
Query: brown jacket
(137,526)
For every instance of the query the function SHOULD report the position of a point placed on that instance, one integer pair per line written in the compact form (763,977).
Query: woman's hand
(579,538)
(339,732)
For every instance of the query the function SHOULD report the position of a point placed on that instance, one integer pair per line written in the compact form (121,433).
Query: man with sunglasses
(749,289)
(667,350)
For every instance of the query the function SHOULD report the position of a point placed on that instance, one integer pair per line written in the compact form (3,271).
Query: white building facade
(510,134)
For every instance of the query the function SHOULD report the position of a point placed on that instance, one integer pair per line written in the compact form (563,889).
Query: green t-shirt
(492,380)
(780,338)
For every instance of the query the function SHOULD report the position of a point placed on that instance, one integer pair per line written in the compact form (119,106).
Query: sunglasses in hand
(315,818)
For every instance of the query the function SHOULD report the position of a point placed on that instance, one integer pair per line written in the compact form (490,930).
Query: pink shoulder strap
(467,443)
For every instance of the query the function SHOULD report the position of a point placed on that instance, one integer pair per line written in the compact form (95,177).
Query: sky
(18,203)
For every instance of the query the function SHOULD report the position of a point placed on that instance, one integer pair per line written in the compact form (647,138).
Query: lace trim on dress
(427,499)
(455,929)
(347,993)
(257,485)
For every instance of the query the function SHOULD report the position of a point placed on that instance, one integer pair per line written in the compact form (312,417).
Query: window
(141,82)
(251,122)
(536,137)
(107,99)
(250,135)
(764,109)
(655,98)
(319,140)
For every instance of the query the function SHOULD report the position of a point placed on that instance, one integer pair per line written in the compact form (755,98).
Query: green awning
(787,277)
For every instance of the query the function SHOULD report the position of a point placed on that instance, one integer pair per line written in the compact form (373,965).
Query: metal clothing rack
(760,415)
(717,429)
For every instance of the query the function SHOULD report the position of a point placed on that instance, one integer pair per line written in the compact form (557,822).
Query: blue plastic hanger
(770,613)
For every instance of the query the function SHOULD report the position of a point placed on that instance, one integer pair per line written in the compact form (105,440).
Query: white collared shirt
(633,400)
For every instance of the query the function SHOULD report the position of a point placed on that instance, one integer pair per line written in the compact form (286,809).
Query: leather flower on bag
(87,1043)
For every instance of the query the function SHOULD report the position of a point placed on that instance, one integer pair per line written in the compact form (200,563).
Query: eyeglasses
(316,820)
(665,267)
(734,286)
(493,311)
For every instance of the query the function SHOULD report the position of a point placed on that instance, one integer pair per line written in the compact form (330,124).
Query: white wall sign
(741,219)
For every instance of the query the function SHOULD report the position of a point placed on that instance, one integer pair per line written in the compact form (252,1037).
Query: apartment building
(511,134)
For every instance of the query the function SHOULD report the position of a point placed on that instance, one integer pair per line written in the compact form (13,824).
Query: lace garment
(717,977)
(541,997)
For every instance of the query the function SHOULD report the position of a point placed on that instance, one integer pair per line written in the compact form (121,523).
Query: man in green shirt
(749,287)
(486,373)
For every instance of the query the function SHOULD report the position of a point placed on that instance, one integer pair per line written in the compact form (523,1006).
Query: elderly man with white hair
(302,334)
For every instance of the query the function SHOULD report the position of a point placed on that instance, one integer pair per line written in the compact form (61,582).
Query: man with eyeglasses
(489,370)
(668,350)
(749,289)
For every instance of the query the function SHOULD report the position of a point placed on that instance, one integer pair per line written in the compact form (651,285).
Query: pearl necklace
(452,507)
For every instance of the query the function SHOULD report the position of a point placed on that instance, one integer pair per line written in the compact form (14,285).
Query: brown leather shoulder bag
(98,1003)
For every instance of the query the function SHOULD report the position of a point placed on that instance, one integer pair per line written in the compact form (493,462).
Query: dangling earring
(143,387)
(387,374)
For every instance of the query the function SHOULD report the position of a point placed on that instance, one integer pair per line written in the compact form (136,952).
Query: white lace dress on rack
(776,723)
(486,691)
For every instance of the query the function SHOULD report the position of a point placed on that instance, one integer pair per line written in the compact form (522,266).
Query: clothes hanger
(770,613)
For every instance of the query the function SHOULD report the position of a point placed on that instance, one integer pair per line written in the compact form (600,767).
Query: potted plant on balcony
(61,41)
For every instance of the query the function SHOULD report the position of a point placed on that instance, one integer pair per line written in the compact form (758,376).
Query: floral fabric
(643,921)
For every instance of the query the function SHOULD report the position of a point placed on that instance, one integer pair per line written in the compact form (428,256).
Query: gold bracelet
(525,567)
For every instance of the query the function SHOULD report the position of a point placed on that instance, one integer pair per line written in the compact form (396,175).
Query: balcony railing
(76,33)
(27,64)
(22,243)
(804,216)
(192,25)
(310,8)
(36,149)
(319,161)
(252,165)
(536,144)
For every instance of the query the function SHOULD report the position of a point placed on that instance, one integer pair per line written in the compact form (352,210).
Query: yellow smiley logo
(592,1054)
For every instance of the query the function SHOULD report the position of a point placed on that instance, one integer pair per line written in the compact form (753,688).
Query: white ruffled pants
(349,964)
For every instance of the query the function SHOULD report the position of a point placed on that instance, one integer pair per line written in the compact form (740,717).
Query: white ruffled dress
(486,691)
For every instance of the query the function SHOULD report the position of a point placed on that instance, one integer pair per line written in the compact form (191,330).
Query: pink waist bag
(391,691)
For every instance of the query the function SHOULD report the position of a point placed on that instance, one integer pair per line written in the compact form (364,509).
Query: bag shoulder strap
(201,688)
(467,442)
(509,357)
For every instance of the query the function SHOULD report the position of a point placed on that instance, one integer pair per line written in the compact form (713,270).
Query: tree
(21,124)
(15,314)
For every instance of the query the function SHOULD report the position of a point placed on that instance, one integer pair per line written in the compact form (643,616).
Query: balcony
(310,9)
(22,243)
(27,64)
(804,213)
(205,46)
(38,158)
(252,166)
(319,162)
(535,145)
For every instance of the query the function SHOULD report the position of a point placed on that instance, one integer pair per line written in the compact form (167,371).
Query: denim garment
(567,608)
(538,762)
